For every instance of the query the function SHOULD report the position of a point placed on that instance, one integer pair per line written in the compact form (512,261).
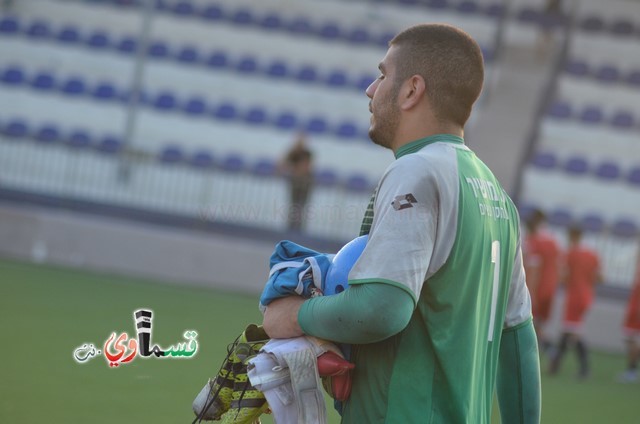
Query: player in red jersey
(541,262)
(631,328)
(582,273)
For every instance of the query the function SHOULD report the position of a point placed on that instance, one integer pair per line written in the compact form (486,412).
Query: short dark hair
(449,61)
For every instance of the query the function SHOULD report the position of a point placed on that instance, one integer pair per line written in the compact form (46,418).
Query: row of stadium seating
(607,73)
(592,114)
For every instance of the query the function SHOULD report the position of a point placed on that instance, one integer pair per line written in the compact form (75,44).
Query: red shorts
(574,312)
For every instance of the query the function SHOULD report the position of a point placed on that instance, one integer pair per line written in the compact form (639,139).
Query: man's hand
(281,318)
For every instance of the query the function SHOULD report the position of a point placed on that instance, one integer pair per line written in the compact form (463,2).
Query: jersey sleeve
(403,244)
(519,302)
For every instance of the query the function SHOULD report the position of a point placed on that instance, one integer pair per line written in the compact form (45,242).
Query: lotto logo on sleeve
(403,201)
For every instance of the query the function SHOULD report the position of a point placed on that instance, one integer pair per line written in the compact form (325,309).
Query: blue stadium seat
(171,155)
(242,17)
(195,106)
(79,139)
(495,10)
(233,163)
(307,73)
(39,29)
(633,176)
(592,24)
(104,91)
(247,64)
(560,217)
(74,86)
(300,25)
(592,223)
(577,68)
(608,171)
(337,78)
(544,160)
(325,178)
(264,168)
(202,160)
(560,110)
(633,78)
(623,120)
(622,27)
(69,35)
(625,228)
(109,145)
(316,125)
(212,12)
(13,75)
(286,120)
(16,128)
(43,81)
(165,101)
(47,133)
(218,59)
(183,8)
(99,40)
(347,130)
(528,15)
(127,44)
(188,54)
(9,25)
(358,183)
(576,166)
(384,38)
(226,110)
(271,21)
(607,74)
(364,81)
(591,115)
(278,69)
(158,49)
(359,35)
(467,7)
(330,30)
(437,4)
(256,115)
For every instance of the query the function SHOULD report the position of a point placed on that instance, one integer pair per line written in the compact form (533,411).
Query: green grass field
(46,312)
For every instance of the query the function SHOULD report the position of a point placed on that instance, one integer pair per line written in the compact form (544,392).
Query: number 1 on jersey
(495,260)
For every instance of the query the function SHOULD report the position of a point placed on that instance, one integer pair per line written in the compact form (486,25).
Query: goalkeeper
(437,309)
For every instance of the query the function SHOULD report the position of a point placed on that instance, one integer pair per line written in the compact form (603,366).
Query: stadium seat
(218,59)
(104,91)
(622,27)
(437,4)
(316,125)
(188,54)
(495,10)
(544,160)
(38,29)
(633,176)
(560,217)
(127,45)
(591,115)
(16,128)
(195,106)
(560,110)
(625,228)
(74,86)
(300,25)
(608,171)
(528,15)
(592,223)
(68,35)
(242,17)
(212,12)
(607,74)
(277,69)
(592,24)
(358,183)
(264,168)
(48,133)
(384,38)
(109,145)
(633,78)
(307,73)
(226,110)
(233,163)
(271,21)
(43,81)
(201,160)
(9,25)
(286,120)
(98,40)
(467,7)
(347,130)
(337,78)
(330,30)
(255,115)
(623,120)
(158,49)
(576,166)
(165,101)
(79,139)
(364,82)
(13,75)
(247,64)
(171,155)
(325,178)
(359,36)
(577,68)
(183,8)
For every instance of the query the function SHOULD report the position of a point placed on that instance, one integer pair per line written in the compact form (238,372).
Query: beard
(385,121)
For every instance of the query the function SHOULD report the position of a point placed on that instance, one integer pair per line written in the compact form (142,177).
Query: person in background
(541,264)
(297,165)
(581,274)
(631,329)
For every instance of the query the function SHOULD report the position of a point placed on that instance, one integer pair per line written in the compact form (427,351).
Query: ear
(412,92)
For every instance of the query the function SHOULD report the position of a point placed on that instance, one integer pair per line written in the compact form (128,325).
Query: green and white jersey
(445,231)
